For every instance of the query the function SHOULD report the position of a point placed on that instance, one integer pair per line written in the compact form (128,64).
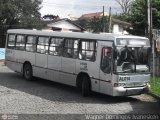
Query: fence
(156,39)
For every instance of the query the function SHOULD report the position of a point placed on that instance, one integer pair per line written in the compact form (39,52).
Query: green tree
(84,23)
(138,16)
(156,14)
(18,14)
(95,24)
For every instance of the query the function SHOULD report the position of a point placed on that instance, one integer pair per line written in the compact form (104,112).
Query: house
(63,25)
(118,26)
(90,16)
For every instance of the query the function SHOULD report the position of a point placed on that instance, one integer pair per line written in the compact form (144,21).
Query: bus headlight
(119,84)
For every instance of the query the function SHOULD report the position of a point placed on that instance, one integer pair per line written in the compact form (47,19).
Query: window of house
(11,41)
(87,50)
(56,46)
(42,46)
(70,48)
(20,42)
(31,44)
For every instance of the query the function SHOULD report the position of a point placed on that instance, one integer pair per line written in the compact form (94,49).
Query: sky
(76,8)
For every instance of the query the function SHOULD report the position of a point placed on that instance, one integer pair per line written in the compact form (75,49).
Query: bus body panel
(54,66)
(9,58)
(92,69)
(106,88)
(40,68)
(132,84)
(18,58)
(134,80)
(68,71)
(95,84)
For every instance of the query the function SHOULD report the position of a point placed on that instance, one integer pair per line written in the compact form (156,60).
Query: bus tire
(27,72)
(85,87)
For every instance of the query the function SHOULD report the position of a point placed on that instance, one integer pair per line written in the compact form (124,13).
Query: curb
(155,96)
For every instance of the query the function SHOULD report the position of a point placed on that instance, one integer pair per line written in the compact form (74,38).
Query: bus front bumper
(121,91)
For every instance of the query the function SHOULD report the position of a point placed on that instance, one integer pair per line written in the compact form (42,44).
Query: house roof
(90,16)
(65,24)
(120,22)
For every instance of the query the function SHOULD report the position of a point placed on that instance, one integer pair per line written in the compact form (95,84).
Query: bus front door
(105,70)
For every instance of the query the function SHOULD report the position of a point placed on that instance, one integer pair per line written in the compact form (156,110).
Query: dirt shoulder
(1,62)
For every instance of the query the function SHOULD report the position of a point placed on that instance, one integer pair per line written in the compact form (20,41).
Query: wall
(118,29)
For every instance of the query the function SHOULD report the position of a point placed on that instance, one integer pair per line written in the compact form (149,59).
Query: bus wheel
(27,72)
(85,86)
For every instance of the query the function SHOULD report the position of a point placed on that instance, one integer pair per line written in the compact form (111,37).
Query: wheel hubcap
(27,73)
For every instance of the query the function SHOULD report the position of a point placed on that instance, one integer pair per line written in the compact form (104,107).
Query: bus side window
(56,45)
(20,42)
(31,44)
(42,46)
(106,60)
(87,50)
(70,48)
(11,41)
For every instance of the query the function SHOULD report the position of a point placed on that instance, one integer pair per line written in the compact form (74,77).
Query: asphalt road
(41,97)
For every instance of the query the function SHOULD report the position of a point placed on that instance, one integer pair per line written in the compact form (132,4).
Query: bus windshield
(131,59)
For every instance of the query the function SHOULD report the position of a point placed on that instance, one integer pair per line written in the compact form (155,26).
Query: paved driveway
(18,96)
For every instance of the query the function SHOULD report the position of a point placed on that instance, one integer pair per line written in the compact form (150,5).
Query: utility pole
(110,19)
(149,11)
(103,21)
(152,41)
(146,18)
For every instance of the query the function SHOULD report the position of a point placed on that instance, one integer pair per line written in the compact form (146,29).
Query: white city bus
(115,65)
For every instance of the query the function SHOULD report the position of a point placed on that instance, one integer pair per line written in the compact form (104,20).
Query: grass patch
(155,85)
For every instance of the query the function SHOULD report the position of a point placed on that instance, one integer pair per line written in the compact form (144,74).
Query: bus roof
(94,36)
